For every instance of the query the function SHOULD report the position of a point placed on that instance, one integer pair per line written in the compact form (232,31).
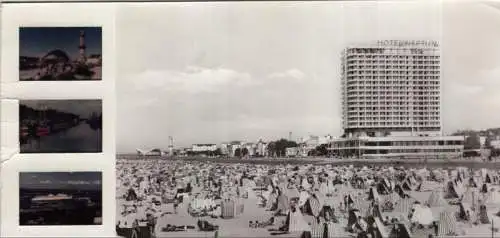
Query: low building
(233,146)
(251,149)
(183,152)
(495,144)
(224,149)
(306,145)
(261,150)
(482,141)
(153,152)
(292,152)
(398,146)
(204,148)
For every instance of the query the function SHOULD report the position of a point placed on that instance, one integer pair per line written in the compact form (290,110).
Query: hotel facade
(391,102)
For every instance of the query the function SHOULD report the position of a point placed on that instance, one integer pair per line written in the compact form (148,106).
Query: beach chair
(143,230)
(228,209)
(127,232)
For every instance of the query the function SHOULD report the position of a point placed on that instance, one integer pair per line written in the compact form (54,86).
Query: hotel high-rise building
(391,100)
(391,86)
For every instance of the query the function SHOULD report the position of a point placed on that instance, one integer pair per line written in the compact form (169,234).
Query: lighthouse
(171,146)
(83,57)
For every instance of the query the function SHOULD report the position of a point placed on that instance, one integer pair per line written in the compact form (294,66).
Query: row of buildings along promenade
(391,107)
(261,149)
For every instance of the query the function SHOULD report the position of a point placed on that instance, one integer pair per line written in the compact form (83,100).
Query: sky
(83,108)
(216,72)
(38,41)
(60,180)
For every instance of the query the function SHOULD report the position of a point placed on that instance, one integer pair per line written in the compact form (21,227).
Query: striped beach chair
(228,209)
(314,206)
(317,229)
(447,224)
(333,230)
(404,206)
(239,207)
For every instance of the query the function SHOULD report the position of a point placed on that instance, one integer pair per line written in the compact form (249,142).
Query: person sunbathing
(267,223)
(173,228)
(168,228)
(206,226)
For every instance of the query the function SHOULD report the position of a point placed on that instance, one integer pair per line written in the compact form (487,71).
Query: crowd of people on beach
(162,198)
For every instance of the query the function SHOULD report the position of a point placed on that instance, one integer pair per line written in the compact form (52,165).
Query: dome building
(54,65)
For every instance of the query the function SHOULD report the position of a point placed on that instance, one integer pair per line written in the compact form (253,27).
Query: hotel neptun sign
(408,43)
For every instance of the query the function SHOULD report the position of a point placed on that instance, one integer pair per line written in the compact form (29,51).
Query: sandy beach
(422,194)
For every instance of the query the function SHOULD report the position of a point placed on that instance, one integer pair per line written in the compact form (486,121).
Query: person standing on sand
(436,228)
(469,220)
(345,202)
(176,204)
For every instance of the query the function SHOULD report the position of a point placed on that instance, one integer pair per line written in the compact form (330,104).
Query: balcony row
(395,55)
(371,72)
(392,61)
(383,86)
(391,124)
(387,93)
(381,109)
(404,80)
(387,67)
(380,90)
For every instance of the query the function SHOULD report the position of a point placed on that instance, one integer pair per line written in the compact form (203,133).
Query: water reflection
(78,139)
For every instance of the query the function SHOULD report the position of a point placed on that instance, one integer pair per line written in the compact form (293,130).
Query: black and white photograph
(60,126)
(60,53)
(308,119)
(60,198)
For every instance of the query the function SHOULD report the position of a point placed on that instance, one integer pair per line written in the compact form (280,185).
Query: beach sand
(238,226)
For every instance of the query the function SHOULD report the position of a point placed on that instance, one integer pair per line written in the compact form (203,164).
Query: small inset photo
(60,53)
(60,126)
(60,198)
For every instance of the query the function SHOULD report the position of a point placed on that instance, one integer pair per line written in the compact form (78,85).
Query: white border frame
(11,90)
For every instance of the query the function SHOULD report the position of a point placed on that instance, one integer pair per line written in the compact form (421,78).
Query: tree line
(473,142)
